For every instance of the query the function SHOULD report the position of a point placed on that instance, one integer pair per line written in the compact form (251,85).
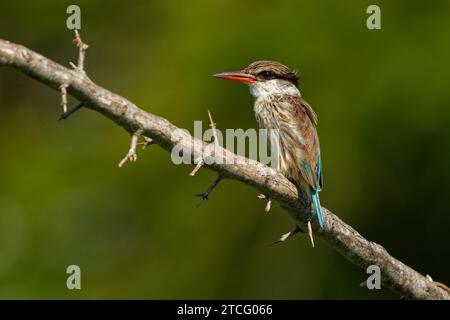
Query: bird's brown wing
(306,121)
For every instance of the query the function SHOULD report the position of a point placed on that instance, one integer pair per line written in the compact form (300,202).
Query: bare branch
(361,252)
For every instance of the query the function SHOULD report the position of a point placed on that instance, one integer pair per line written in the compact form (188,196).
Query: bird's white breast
(272,113)
(267,107)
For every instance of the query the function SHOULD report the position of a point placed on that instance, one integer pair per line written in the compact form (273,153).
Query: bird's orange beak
(236,76)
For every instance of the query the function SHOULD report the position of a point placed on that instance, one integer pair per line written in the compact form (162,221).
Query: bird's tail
(315,199)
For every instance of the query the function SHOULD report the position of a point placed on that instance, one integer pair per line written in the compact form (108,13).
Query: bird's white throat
(274,87)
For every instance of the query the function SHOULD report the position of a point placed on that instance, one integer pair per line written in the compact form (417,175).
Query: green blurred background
(382,97)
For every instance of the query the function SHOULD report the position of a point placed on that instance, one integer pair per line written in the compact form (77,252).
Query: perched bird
(278,104)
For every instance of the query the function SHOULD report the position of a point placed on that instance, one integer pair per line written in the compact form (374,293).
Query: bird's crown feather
(266,70)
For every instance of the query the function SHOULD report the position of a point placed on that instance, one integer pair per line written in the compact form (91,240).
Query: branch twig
(131,155)
(147,142)
(205,195)
(289,234)
(82,48)
(201,161)
(358,250)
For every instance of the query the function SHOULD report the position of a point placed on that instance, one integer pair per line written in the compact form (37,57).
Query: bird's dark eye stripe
(291,76)
(266,74)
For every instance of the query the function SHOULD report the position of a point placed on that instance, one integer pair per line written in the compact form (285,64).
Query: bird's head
(265,78)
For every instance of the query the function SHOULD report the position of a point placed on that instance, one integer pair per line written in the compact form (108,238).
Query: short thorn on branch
(269,202)
(296,230)
(205,195)
(197,167)
(288,235)
(147,142)
(63,89)
(131,155)
(201,161)
(310,233)
(82,48)
(213,127)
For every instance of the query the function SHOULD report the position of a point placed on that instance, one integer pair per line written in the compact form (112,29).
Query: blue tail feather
(315,193)
(315,199)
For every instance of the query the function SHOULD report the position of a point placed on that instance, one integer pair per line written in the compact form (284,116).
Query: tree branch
(124,113)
